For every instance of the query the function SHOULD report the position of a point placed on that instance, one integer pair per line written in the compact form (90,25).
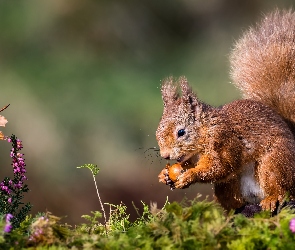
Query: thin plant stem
(136,209)
(102,208)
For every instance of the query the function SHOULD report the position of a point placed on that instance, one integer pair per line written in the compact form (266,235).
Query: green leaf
(93,168)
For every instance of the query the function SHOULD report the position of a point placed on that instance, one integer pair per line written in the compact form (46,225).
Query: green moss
(189,225)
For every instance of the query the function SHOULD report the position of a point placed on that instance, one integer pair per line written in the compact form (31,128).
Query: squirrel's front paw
(165,178)
(163,175)
(176,176)
(184,180)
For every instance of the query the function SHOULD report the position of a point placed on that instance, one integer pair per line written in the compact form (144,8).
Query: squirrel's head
(178,130)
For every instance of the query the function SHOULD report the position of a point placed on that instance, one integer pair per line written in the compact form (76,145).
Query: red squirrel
(245,148)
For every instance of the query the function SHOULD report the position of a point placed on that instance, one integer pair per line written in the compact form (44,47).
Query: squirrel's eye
(181,132)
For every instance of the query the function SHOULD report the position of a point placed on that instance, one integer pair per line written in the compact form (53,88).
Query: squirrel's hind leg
(276,177)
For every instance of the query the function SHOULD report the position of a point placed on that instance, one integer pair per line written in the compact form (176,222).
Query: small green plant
(93,226)
(95,170)
(119,219)
(147,214)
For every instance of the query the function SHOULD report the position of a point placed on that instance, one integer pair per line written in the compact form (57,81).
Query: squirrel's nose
(165,155)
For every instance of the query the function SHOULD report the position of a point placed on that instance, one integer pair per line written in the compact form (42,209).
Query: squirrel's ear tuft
(187,94)
(185,88)
(169,91)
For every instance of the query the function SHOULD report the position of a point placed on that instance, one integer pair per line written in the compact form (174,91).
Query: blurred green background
(83,79)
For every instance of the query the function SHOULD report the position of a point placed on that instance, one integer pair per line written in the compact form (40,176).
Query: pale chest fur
(250,188)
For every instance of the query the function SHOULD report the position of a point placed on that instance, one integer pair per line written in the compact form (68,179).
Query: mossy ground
(187,225)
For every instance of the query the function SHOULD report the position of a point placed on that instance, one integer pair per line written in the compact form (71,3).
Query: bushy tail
(263,63)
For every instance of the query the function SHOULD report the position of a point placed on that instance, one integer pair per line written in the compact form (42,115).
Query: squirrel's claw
(164,177)
(269,203)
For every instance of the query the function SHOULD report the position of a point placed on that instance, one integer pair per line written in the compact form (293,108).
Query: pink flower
(8,226)
(292,225)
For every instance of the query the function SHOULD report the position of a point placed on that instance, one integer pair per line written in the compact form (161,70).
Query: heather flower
(5,188)
(18,162)
(9,217)
(292,225)
(19,144)
(8,226)
(11,190)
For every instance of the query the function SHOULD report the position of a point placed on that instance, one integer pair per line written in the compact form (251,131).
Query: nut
(175,171)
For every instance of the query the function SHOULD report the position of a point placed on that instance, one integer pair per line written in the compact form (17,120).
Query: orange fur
(247,147)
